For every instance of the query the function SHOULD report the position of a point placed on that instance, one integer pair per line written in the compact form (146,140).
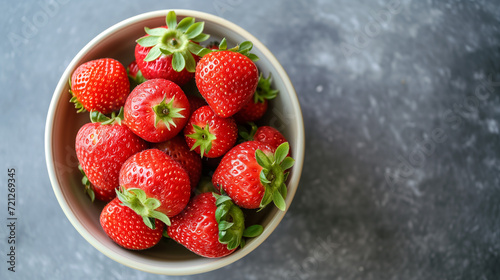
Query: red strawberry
(209,134)
(265,134)
(135,74)
(99,85)
(127,229)
(253,176)
(178,150)
(101,148)
(269,135)
(227,79)
(154,185)
(257,107)
(166,52)
(211,226)
(156,110)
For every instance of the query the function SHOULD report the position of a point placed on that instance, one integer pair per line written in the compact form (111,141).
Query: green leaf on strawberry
(137,200)
(85,181)
(203,138)
(178,40)
(264,91)
(231,223)
(166,112)
(244,48)
(98,117)
(273,175)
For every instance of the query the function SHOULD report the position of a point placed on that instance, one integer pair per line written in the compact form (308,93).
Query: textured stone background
(401,110)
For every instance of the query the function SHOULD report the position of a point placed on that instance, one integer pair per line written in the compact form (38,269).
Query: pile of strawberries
(150,144)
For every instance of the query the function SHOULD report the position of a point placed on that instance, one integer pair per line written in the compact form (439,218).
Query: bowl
(63,123)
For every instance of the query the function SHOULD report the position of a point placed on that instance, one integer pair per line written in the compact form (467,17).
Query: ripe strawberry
(166,52)
(101,148)
(154,185)
(134,74)
(253,176)
(156,110)
(227,79)
(99,85)
(269,135)
(178,150)
(209,134)
(265,134)
(211,226)
(126,228)
(257,106)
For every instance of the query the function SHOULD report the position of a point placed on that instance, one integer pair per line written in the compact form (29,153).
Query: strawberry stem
(166,113)
(203,138)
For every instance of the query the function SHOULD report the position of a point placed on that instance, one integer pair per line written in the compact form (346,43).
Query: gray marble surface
(401,109)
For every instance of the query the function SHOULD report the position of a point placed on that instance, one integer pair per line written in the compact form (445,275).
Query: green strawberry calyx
(245,134)
(231,223)
(177,40)
(243,48)
(98,117)
(264,91)
(137,79)
(273,175)
(144,206)
(85,181)
(167,113)
(203,138)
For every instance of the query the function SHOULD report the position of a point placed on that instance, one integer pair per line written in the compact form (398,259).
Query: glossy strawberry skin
(227,80)
(161,67)
(160,177)
(251,112)
(196,228)
(100,85)
(139,115)
(127,229)
(101,150)
(238,174)
(269,135)
(224,129)
(178,150)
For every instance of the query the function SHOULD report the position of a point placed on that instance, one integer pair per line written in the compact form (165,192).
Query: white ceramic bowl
(63,123)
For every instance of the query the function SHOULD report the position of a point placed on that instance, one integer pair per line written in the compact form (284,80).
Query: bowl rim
(68,209)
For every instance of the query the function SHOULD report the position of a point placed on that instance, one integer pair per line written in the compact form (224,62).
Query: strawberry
(156,110)
(265,134)
(126,228)
(211,226)
(134,74)
(209,134)
(102,146)
(253,176)
(154,185)
(257,106)
(166,52)
(99,85)
(178,150)
(269,135)
(227,79)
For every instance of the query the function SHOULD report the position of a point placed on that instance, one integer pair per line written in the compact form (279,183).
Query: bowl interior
(63,123)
